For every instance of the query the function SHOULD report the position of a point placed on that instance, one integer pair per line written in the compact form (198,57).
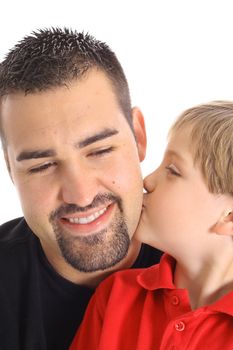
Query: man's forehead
(69,117)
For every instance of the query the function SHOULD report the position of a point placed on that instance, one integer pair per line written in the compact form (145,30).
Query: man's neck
(91,279)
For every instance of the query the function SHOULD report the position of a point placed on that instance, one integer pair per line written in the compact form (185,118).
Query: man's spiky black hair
(50,57)
(54,57)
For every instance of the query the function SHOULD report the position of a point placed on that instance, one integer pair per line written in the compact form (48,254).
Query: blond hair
(212,142)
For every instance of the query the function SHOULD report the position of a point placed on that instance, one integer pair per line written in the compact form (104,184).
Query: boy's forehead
(180,144)
(182,135)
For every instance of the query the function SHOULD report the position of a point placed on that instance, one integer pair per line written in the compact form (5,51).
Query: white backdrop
(175,53)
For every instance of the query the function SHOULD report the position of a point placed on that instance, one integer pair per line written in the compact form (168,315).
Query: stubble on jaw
(99,251)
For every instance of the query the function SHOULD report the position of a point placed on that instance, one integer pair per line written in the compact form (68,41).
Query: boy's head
(189,196)
(211,142)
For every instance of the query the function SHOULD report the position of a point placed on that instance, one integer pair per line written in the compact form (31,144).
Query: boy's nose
(149,182)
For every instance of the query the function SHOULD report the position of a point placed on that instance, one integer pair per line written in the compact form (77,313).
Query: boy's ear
(140,132)
(224,226)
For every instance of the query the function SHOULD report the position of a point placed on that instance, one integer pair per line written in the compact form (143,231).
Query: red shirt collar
(224,304)
(160,276)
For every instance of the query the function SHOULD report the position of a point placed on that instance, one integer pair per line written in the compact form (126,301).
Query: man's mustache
(99,199)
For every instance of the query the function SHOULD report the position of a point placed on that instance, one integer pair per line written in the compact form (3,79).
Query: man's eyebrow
(96,137)
(26,155)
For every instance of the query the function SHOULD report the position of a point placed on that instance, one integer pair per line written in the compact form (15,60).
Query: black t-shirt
(39,309)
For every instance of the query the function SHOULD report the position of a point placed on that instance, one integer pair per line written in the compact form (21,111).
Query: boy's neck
(206,280)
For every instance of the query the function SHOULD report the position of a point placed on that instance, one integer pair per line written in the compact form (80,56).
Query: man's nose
(79,186)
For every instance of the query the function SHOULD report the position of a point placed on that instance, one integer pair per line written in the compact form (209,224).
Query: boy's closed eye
(173,170)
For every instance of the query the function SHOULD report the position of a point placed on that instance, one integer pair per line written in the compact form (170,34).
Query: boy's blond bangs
(211,141)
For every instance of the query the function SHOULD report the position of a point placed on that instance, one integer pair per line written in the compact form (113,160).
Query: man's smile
(89,222)
(86,219)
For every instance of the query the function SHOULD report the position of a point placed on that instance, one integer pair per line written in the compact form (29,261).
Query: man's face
(75,163)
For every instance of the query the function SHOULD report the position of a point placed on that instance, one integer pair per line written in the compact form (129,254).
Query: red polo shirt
(143,310)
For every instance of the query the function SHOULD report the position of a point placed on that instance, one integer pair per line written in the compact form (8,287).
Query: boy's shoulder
(125,280)
(141,280)
(122,290)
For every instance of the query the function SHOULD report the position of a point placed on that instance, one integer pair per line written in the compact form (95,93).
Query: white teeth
(87,219)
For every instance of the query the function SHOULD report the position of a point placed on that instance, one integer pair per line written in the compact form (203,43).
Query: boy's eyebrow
(34,154)
(26,155)
(96,137)
(171,152)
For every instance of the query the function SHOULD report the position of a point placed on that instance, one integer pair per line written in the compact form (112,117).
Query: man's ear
(139,131)
(224,226)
